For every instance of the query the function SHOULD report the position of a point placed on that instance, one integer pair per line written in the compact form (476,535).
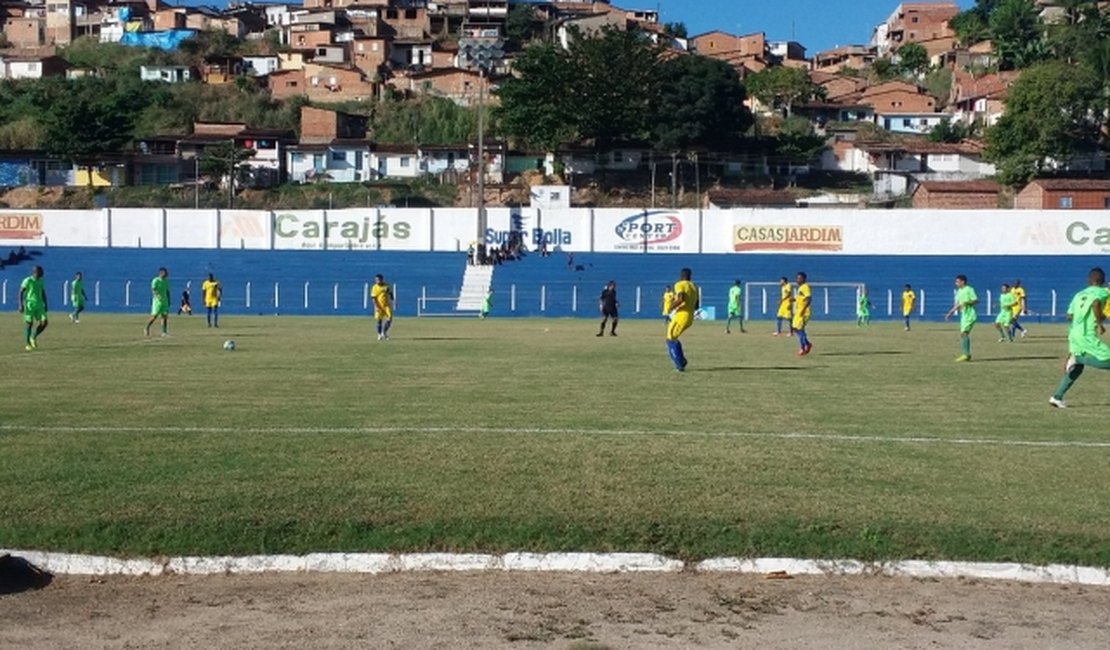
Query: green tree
(677,30)
(947,131)
(608,107)
(781,87)
(535,107)
(227,162)
(520,24)
(883,70)
(797,142)
(913,59)
(701,102)
(1048,115)
(86,119)
(1016,32)
(973,25)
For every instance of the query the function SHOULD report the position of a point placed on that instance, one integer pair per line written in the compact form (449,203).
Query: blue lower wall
(440,274)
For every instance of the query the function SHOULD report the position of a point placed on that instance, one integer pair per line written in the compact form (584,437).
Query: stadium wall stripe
(587,563)
(820,437)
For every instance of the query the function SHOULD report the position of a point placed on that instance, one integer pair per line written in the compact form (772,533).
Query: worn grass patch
(462,435)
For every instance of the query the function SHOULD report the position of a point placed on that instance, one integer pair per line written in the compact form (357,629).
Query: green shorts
(159,308)
(966,326)
(1005,318)
(734,313)
(33,314)
(79,302)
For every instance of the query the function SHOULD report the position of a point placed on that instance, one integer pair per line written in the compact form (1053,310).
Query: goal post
(429,307)
(830,300)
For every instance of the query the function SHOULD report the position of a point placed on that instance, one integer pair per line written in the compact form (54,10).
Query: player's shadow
(1016,359)
(441,338)
(755,369)
(875,353)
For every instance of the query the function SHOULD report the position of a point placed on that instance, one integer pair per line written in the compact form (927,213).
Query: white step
(477,281)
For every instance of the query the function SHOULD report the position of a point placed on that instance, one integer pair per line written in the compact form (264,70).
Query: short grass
(460,435)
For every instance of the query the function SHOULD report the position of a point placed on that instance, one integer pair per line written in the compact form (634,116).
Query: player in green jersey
(966,299)
(77,297)
(735,295)
(1003,323)
(1086,314)
(487,305)
(32,304)
(863,309)
(159,301)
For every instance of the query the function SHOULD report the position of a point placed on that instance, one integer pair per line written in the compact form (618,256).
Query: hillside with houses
(941,108)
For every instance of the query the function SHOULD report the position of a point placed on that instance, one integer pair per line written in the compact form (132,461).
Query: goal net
(831,300)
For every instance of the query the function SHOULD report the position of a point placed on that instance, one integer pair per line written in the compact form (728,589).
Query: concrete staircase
(477,281)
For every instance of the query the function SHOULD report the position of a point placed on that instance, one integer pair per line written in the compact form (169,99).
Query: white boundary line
(820,437)
(589,563)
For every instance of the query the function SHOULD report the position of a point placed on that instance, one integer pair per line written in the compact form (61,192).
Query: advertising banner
(399,229)
(22,227)
(249,229)
(646,231)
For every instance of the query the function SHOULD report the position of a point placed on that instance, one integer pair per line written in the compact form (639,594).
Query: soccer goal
(831,300)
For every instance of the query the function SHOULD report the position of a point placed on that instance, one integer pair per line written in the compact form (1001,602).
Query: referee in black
(609,304)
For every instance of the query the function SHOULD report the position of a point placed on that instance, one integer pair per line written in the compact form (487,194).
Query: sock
(39,329)
(803,338)
(672,350)
(778,326)
(379,328)
(216,317)
(388,324)
(1068,380)
(27,334)
(165,326)
(681,353)
(209,316)
(907,322)
(965,345)
(613,328)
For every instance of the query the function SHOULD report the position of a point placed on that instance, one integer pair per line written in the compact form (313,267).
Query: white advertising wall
(454,229)
(192,229)
(137,228)
(750,231)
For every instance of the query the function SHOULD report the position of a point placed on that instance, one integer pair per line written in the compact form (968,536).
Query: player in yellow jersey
(382,296)
(786,306)
(213,295)
(802,311)
(1020,309)
(687,300)
(909,299)
(668,303)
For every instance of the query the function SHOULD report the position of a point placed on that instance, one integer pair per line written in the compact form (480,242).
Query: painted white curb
(383,563)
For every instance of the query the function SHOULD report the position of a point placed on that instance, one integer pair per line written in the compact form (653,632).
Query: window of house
(924,122)
(338,156)
(555,196)
(410,14)
(907,122)
(1106,203)
(1064,202)
(406,161)
(914,20)
(298,157)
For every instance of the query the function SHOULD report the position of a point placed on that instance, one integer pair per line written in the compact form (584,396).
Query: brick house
(25,31)
(320,125)
(284,84)
(898,97)
(914,22)
(717,44)
(369,54)
(1065,194)
(956,195)
(32,67)
(859,57)
(460,86)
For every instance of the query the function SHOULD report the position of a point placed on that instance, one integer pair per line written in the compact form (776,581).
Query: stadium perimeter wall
(290,263)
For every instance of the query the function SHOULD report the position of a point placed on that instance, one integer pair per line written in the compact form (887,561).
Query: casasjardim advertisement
(787,238)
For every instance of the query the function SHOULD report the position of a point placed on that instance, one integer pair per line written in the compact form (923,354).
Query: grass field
(535,435)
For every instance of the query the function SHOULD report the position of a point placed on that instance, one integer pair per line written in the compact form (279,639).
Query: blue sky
(817,24)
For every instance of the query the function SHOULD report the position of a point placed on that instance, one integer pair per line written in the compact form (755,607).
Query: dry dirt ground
(550,610)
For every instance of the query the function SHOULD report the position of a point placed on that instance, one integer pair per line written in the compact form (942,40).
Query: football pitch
(535,435)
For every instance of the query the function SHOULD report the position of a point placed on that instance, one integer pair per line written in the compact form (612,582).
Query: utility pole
(482,54)
(674,180)
(196,181)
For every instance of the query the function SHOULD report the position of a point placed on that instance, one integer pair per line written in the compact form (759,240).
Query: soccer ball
(229,345)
